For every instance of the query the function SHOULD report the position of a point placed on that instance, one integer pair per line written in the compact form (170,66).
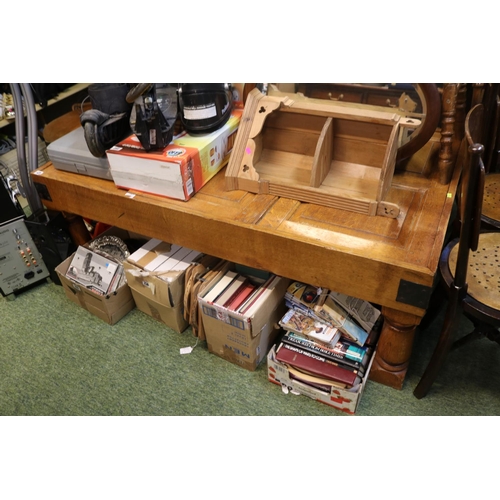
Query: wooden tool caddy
(316,152)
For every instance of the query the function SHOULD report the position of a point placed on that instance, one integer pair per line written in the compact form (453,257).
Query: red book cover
(315,365)
(240,297)
(262,292)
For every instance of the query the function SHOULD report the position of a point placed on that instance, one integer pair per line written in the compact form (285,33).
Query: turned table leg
(394,348)
(449,111)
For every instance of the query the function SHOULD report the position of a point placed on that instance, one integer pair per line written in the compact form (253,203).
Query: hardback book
(250,297)
(323,384)
(298,322)
(220,286)
(230,291)
(341,352)
(259,296)
(258,275)
(240,297)
(315,365)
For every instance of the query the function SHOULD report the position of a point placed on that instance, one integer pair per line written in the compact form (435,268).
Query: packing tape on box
(165,276)
(140,277)
(149,251)
(78,292)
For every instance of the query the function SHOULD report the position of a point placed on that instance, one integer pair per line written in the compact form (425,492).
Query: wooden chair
(490,216)
(488,94)
(469,265)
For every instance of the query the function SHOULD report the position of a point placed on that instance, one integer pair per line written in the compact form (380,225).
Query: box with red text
(179,170)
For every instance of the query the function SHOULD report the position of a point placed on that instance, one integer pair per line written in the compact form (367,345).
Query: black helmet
(204,107)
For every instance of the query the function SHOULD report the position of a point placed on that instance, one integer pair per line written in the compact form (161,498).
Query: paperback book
(333,314)
(319,304)
(360,311)
(307,326)
(302,296)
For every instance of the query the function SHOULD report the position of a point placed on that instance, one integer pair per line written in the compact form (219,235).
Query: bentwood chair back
(469,265)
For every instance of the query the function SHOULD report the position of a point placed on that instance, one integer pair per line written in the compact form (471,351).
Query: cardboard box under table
(155,274)
(110,308)
(240,339)
(346,400)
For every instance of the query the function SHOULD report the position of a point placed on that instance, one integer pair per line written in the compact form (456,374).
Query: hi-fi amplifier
(21,264)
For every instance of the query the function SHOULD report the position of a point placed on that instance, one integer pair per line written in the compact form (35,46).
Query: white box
(342,399)
(180,169)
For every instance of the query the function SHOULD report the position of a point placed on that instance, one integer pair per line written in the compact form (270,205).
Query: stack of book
(239,292)
(240,310)
(329,337)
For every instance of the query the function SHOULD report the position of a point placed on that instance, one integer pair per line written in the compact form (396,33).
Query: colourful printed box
(179,170)
(346,400)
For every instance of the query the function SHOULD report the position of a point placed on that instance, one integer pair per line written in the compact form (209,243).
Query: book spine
(348,350)
(315,364)
(336,357)
(262,293)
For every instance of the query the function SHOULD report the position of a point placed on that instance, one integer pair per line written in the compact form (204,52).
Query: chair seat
(483,275)
(475,290)
(491,199)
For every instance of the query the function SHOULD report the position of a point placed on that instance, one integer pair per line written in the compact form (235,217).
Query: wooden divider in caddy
(316,152)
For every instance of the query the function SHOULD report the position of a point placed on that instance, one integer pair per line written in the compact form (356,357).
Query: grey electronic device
(21,263)
(71,153)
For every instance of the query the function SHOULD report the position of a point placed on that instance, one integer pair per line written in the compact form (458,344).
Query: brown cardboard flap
(161,248)
(151,286)
(164,288)
(171,316)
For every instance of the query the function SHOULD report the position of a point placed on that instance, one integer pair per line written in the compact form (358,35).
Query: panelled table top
(390,262)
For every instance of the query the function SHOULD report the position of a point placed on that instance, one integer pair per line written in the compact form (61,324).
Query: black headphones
(204,107)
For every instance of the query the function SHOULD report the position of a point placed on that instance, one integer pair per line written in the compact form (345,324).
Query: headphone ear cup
(92,139)
(204,108)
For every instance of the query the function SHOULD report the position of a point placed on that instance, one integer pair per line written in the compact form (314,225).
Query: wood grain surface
(391,262)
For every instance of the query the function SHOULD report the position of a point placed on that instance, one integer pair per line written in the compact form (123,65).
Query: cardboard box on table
(342,399)
(180,169)
(110,308)
(240,339)
(155,275)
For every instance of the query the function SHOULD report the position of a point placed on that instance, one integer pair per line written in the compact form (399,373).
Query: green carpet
(58,359)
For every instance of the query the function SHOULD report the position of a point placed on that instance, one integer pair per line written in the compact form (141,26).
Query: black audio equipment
(21,263)
(9,206)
